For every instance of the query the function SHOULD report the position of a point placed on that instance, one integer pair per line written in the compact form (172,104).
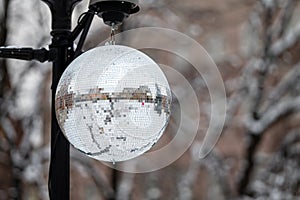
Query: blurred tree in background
(255,45)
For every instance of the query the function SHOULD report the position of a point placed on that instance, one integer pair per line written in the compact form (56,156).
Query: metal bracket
(41,55)
(113,12)
(83,26)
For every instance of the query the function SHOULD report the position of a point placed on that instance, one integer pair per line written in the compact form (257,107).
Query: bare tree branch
(215,165)
(278,111)
(126,184)
(266,59)
(257,122)
(185,184)
(280,25)
(98,178)
(246,84)
(284,86)
(286,42)
(281,173)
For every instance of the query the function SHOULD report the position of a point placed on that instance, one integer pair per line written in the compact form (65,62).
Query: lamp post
(61,52)
(59,169)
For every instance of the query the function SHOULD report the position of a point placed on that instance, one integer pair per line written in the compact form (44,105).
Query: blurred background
(255,44)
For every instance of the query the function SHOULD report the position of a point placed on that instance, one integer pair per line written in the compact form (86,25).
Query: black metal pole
(41,55)
(59,170)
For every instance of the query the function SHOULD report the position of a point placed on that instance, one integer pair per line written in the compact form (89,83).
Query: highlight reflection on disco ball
(113,103)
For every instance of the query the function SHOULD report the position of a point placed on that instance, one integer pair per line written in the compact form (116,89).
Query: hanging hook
(114,27)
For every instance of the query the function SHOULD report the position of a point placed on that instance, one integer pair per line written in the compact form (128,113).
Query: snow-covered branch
(185,184)
(279,110)
(126,185)
(216,169)
(98,177)
(280,26)
(286,84)
(280,179)
(286,42)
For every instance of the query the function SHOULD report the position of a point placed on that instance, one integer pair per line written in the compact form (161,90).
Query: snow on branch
(292,138)
(279,110)
(287,82)
(126,185)
(245,85)
(99,178)
(286,42)
(184,185)
(284,18)
(213,164)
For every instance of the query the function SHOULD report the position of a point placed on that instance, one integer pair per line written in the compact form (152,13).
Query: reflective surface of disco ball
(113,103)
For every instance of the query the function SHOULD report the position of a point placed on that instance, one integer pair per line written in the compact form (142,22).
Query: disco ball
(113,103)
